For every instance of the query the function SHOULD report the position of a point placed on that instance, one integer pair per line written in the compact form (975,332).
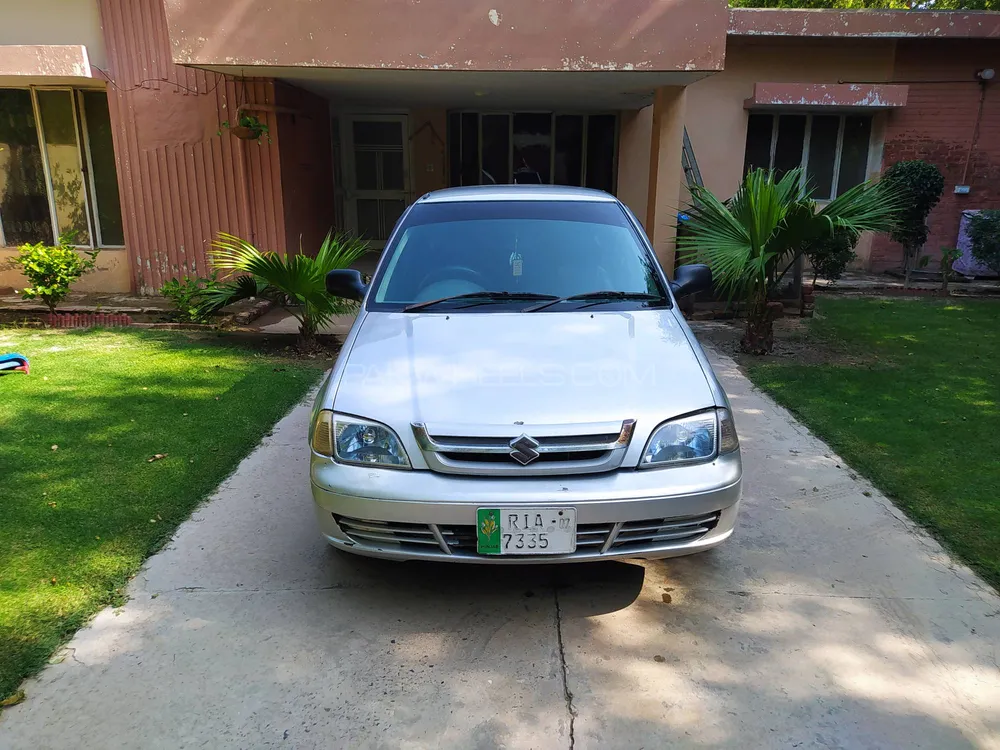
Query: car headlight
(352,440)
(697,437)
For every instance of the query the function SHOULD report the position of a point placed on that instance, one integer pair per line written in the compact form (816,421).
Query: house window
(831,149)
(57,168)
(533,148)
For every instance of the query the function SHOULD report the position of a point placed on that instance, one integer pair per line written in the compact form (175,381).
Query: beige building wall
(111,274)
(54,22)
(716,120)
(634,143)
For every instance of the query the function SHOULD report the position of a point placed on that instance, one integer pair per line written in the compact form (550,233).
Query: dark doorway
(545,148)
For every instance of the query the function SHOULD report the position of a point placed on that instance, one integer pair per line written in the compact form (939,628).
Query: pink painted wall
(180,182)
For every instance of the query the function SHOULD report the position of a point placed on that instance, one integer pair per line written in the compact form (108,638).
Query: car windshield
(493,255)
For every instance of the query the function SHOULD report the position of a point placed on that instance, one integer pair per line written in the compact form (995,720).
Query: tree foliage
(920,185)
(871,4)
(830,255)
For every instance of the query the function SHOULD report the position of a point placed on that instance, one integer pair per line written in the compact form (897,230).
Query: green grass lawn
(80,504)
(921,420)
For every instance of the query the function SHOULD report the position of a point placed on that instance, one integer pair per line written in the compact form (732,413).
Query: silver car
(520,386)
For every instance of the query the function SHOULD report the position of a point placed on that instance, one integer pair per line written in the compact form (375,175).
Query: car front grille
(552,450)
(641,534)
(588,536)
(612,539)
(388,532)
(544,458)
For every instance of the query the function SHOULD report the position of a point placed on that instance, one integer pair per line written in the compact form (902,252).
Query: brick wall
(936,125)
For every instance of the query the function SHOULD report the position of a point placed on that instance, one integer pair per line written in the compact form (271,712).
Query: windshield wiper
(597,298)
(485,296)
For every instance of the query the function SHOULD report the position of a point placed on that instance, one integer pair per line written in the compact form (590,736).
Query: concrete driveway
(828,621)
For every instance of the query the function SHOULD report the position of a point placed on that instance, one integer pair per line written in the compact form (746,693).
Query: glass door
(376,173)
(533,148)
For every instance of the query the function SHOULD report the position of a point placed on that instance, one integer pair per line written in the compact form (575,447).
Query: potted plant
(248,128)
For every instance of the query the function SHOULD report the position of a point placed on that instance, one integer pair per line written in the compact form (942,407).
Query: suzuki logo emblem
(523,449)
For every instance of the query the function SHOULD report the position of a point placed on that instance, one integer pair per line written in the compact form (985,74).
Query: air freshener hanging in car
(516,263)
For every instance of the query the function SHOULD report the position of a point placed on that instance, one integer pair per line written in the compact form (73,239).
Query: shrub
(984,231)
(830,255)
(754,238)
(188,293)
(295,282)
(51,269)
(948,257)
(920,184)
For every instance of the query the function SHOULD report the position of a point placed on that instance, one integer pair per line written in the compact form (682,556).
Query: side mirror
(691,279)
(346,283)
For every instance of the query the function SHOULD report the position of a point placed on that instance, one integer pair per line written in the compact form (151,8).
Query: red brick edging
(88,320)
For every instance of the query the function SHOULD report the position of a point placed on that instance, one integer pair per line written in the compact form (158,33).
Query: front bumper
(423,515)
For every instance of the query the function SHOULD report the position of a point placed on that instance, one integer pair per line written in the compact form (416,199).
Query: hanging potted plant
(248,128)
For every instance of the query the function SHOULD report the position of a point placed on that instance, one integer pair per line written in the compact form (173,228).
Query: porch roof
(481,90)
(474,35)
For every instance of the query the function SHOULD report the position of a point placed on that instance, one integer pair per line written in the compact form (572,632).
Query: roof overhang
(475,35)
(57,61)
(469,89)
(821,95)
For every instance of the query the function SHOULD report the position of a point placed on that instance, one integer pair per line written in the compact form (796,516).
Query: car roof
(517,193)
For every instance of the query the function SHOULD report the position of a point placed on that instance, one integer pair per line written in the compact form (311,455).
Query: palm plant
(754,238)
(295,282)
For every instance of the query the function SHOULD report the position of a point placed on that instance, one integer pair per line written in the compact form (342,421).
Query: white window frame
(804,162)
(83,153)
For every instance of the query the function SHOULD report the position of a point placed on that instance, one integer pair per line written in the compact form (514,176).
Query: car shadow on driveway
(598,587)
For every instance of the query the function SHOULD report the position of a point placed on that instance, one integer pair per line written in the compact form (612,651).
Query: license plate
(525,531)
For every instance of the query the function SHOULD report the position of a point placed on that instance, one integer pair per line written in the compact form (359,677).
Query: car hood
(480,369)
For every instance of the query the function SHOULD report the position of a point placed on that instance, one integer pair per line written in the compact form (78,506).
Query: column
(665,173)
